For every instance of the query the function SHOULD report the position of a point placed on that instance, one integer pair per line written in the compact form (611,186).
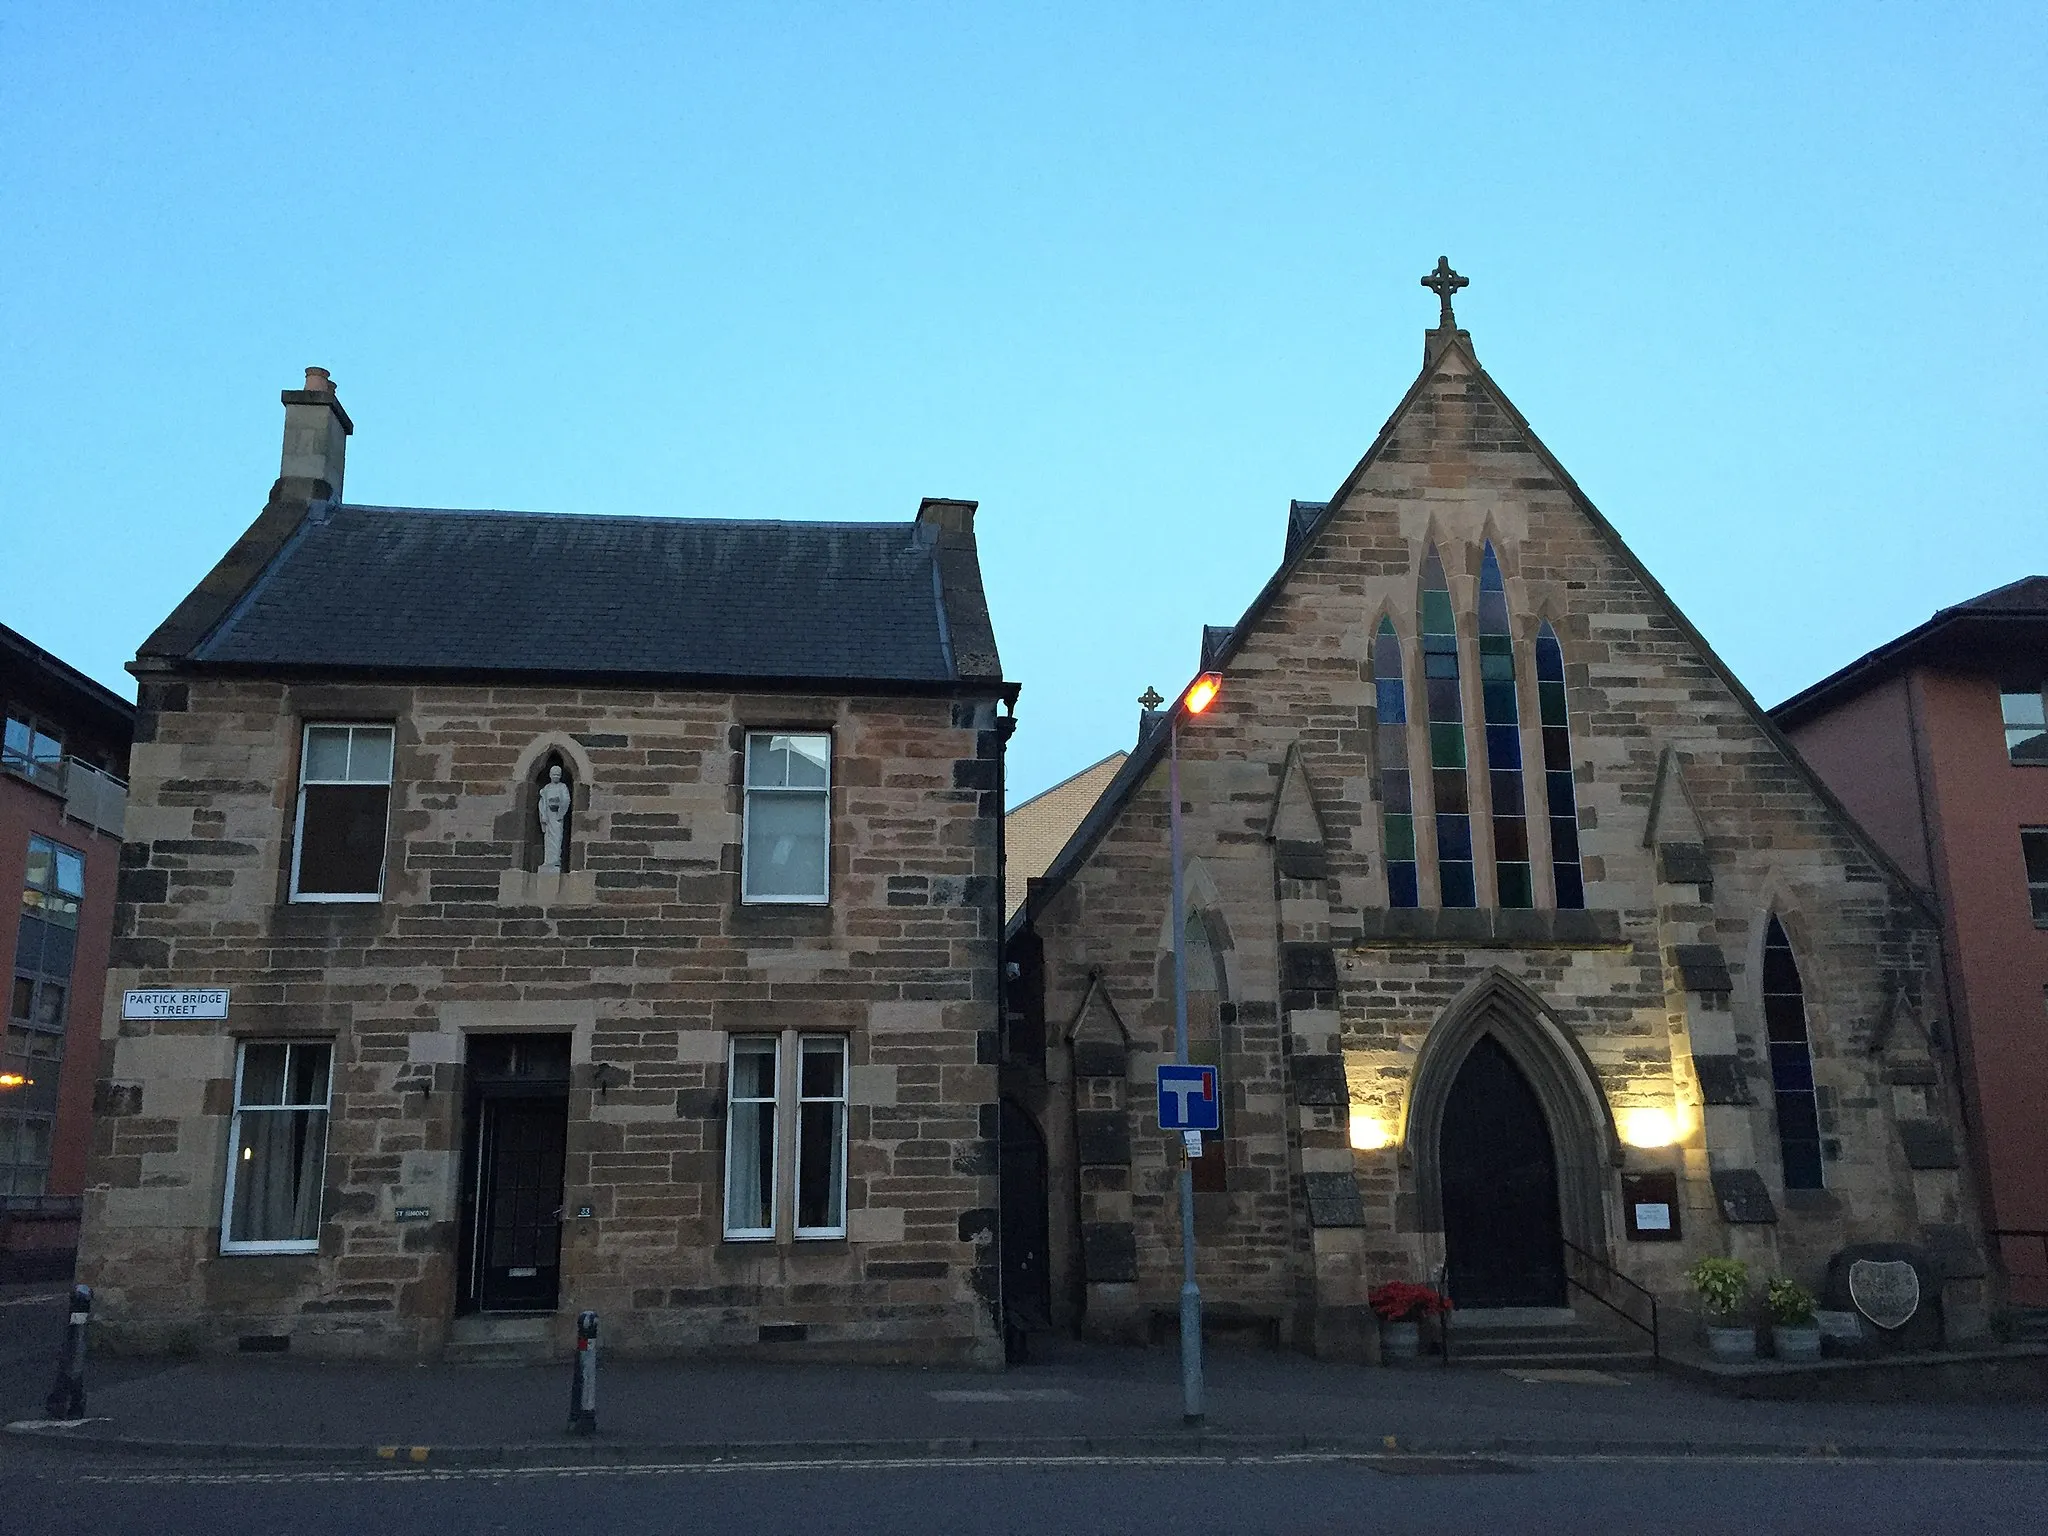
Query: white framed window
(752,1080)
(785,842)
(821,1136)
(785,1130)
(2026,725)
(277,1147)
(344,811)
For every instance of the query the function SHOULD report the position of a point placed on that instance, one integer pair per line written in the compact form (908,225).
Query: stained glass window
(1397,804)
(1791,1062)
(1446,738)
(1558,788)
(1503,739)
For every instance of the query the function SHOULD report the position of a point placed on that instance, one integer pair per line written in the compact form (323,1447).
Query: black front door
(517,1104)
(1503,1242)
(519,1204)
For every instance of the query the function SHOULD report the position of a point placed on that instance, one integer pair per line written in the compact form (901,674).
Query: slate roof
(409,590)
(2002,633)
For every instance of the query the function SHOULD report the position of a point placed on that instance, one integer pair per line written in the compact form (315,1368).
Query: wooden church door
(1503,1240)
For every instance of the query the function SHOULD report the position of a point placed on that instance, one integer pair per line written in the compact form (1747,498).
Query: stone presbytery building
(1530,951)
(523,914)
(1938,741)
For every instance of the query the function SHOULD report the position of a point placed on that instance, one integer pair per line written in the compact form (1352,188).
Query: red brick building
(1937,741)
(63,790)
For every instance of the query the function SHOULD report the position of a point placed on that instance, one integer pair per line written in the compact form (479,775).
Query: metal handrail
(1611,1273)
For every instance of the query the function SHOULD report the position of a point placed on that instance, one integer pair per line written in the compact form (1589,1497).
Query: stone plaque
(412,1213)
(1885,1291)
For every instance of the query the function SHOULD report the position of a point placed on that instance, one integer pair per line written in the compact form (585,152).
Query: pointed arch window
(1559,790)
(1397,803)
(1791,1062)
(1512,875)
(1446,738)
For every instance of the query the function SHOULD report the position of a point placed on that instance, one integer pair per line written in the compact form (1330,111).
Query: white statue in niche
(554,816)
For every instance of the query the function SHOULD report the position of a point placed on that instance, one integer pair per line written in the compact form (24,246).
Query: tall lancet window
(1791,1061)
(1446,738)
(1503,739)
(1557,770)
(1397,801)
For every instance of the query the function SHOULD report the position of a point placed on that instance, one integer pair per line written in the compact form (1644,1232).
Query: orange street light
(1202,692)
(15,1080)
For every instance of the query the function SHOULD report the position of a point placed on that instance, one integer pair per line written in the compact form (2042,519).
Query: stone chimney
(316,433)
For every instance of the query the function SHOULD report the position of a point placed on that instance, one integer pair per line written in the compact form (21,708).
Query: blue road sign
(1188,1100)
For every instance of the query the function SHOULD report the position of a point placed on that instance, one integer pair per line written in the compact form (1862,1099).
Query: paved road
(1285,1497)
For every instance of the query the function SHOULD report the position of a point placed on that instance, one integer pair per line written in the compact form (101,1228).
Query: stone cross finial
(1150,699)
(1443,282)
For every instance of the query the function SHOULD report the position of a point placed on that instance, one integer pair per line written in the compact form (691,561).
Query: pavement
(1083,1400)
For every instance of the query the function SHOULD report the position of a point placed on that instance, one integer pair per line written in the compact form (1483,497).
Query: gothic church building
(1531,953)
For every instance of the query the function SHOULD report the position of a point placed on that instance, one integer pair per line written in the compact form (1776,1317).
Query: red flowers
(1403,1301)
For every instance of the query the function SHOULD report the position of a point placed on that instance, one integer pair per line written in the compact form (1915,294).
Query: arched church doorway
(1503,1235)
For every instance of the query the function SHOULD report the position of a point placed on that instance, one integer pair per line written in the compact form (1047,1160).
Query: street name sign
(1188,1100)
(175,1003)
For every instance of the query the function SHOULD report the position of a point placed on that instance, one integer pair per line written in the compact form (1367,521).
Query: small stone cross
(1150,699)
(1443,282)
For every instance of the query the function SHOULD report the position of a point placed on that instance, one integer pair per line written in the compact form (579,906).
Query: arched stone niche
(526,883)
(1582,1130)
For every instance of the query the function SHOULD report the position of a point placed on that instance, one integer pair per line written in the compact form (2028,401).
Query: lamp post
(1201,693)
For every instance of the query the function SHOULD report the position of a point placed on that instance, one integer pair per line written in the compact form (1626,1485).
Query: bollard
(583,1383)
(67,1397)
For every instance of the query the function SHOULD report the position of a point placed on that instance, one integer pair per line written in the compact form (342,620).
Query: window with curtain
(1559,790)
(277,1147)
(1516,885)
(787,836)
(751,1079)
(1446,709)
(1791,1062)
(1397,807)
(821,1137)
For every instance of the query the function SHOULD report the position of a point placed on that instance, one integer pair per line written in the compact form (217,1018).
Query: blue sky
(1768,279)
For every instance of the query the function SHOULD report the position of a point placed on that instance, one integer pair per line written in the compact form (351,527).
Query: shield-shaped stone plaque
(1885,1291)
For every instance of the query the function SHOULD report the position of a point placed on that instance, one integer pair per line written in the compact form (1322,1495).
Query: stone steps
(500,1338)
(1544,1338)
(2030,1325)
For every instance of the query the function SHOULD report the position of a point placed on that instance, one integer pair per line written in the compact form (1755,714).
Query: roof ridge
(662,519)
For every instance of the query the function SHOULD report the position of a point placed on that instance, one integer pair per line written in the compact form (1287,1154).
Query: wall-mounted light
(1369,1132)
(1649,1127)
(16,1080)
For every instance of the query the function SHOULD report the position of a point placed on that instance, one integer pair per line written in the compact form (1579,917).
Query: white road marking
(1007,1395)
(32,1301)
(1391,1461)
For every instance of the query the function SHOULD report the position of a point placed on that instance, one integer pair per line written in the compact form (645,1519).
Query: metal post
(1190,1292)
(583,1383)
(67,1396)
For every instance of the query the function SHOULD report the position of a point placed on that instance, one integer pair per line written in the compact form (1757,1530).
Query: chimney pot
(319,381)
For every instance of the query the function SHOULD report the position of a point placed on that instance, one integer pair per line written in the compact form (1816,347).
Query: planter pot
(1731,1343)
(1796,1344)
(1400,1341)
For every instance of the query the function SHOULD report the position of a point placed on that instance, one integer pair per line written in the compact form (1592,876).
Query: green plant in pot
(1795,1331)
(1723,1287)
